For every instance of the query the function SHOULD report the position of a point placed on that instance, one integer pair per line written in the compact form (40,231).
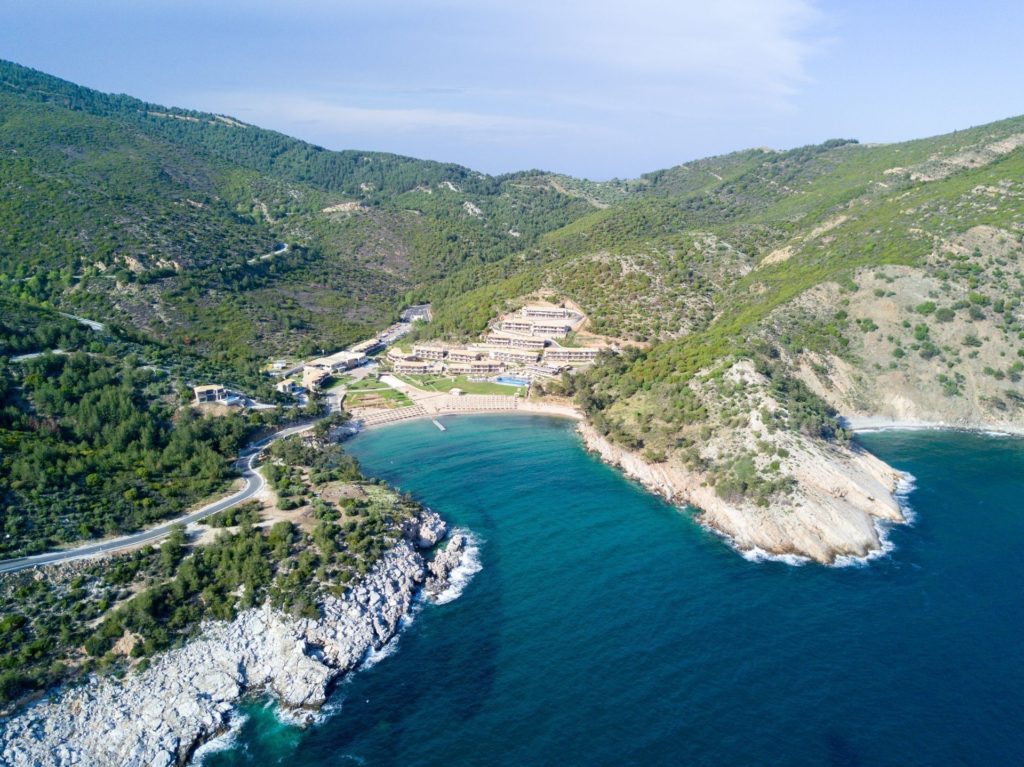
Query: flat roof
(208,387)
(370,342)
(515,337)
(331,359)
(544,308)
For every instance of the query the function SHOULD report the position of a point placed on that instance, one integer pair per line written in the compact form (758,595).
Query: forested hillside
(175,222)
(843,280)
(803,285)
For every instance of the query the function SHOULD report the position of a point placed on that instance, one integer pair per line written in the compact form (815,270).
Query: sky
(597,89)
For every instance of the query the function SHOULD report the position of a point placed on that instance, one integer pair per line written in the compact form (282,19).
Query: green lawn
(390,397)
(363,384)
(443,384)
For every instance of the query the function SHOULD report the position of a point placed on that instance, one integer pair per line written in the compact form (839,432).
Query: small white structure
(289,386)
(210,393)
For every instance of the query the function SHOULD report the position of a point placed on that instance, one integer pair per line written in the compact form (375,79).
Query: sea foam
(469,565)
(906,484)
(757,554)
(222,742)
(461,575)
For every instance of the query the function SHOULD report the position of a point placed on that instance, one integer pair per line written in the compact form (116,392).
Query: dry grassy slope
(958,363)
(890,285)
(803,497)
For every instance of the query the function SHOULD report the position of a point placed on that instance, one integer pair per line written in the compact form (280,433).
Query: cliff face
(158,717)
(839,498)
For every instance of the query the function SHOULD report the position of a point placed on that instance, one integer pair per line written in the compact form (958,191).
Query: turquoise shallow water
(606,628)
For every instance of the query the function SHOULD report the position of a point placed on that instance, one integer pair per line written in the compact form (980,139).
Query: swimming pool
(512,381)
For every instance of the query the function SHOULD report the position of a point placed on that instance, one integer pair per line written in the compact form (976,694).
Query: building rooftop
(343,356)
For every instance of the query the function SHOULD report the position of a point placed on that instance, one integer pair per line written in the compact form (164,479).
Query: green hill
(162,217)
(772,294)
(764,293)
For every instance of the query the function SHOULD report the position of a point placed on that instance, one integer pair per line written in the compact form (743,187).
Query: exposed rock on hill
(158,717)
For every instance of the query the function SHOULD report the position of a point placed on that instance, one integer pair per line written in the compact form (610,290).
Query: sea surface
(608,628)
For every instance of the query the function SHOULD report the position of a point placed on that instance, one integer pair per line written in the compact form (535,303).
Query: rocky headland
(158,717)
(840,501)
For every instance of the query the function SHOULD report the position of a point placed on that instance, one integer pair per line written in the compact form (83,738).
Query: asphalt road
(254,483)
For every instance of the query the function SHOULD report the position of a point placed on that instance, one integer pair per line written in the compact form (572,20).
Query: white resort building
(542,328)
(542,370)
(464,355)
(313,376)
(416,367)
(508,354)
(547,312)
(344,360)
(289,386)
(210,393)
(428,352)
(518,342)
(367,347)
(475,368)
(571,354)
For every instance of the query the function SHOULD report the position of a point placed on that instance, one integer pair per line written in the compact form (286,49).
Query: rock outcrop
(444,562)
(159,716)
(841,498)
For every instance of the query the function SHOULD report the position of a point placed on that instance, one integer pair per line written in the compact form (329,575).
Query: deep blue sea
(607,628)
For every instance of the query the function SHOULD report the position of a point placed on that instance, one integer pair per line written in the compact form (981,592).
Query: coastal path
(254,483)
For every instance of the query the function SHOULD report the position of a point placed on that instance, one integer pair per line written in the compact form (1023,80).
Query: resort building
(210,393)
(313,376)
(416,367)
(509,354)
(289,386)
(367,347)
(544,328)
(459,368)
(546,312)
(518,342)
(550,329)
(483,367)
(426,352)
(566,354)
(344,360)
(515,325)
(544,371)
(464,355)
(397,355)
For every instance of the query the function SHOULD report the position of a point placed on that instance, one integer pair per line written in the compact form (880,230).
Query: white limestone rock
(158,717)
(426,530)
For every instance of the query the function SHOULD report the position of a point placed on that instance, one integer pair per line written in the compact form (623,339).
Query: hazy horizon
(592,90)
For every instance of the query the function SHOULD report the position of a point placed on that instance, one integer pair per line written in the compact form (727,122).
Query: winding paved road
(254,483)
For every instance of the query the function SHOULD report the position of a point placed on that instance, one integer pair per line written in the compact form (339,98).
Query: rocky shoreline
(158,717)
(844,499)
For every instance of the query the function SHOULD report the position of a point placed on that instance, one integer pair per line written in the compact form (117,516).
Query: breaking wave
(469,565)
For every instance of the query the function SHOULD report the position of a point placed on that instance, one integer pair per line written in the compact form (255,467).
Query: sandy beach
(869,423)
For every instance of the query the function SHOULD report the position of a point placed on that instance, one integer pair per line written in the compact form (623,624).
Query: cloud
(326,115)
(506,84)
(746,50)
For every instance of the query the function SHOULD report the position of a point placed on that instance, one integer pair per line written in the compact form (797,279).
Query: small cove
(606,627)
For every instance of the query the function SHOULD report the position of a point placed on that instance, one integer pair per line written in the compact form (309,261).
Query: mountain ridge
(756,297)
